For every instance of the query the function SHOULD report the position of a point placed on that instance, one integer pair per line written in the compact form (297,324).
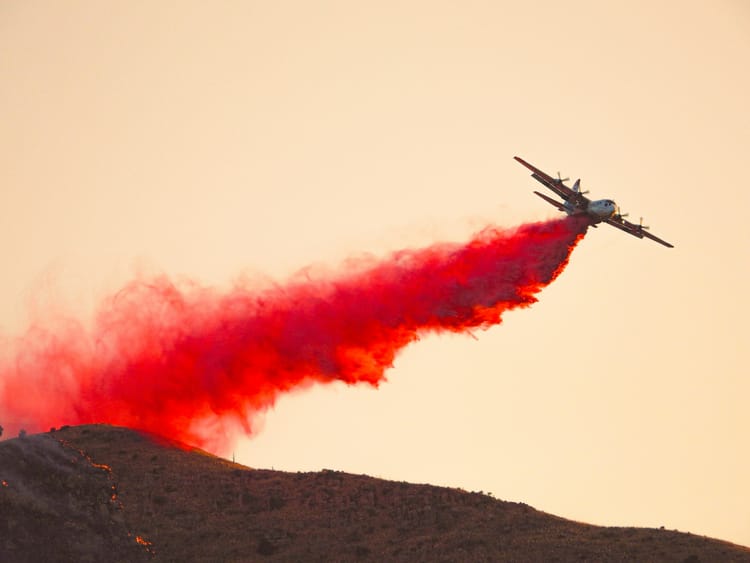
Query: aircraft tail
(577,186)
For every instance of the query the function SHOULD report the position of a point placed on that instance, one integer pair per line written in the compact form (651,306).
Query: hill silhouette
(97,492)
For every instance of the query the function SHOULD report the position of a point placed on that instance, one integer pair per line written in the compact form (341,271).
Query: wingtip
(663,242)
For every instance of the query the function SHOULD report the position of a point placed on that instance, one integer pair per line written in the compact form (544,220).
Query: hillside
(94,493)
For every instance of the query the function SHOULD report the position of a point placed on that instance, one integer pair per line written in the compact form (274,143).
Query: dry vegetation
(95,493)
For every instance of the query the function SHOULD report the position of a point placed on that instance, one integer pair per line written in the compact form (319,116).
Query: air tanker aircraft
(575,203)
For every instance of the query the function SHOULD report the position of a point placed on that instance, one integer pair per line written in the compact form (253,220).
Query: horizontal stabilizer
(551,201)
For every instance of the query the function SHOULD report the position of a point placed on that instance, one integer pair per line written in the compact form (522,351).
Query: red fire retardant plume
(195,365)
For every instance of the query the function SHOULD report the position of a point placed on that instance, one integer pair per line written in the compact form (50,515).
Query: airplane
(576,203)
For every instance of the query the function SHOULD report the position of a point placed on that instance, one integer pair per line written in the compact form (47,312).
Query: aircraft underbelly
(600,213)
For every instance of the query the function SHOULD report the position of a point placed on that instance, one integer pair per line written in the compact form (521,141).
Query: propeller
(641,226)
(561,180)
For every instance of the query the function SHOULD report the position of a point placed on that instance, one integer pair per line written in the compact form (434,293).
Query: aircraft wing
(635,230)
(657,239)
(554,184)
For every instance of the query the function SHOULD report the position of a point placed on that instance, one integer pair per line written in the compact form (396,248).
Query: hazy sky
(212,139)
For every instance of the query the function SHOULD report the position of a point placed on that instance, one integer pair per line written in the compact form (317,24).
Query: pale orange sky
(215,139)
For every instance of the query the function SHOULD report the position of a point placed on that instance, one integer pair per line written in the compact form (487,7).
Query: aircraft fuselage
(598,210)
